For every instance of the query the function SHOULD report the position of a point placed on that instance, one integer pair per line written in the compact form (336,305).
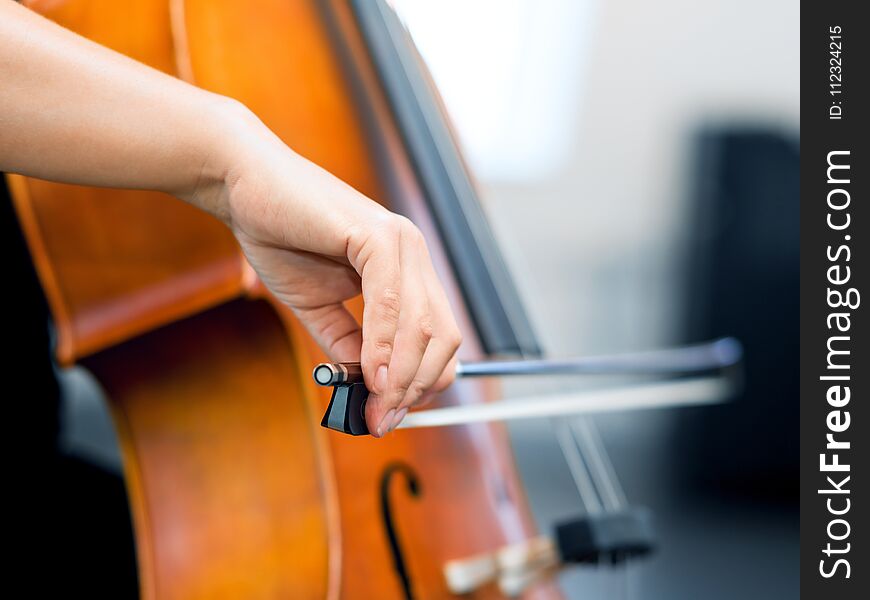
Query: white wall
(593,239)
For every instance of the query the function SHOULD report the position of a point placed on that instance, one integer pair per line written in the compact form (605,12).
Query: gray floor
(708,549)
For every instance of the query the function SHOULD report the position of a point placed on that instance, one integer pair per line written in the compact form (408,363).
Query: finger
(434,368)
(415,326)
(425,400)
(448,332)
(448,376)
(376,414)
(381,289)
(437,368)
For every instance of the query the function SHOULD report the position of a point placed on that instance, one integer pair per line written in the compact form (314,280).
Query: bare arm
(73,111)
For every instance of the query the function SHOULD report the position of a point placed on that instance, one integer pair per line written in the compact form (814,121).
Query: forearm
(74,111)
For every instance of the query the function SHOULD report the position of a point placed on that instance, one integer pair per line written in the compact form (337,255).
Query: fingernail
(384,425)
(398,419)
(381,379)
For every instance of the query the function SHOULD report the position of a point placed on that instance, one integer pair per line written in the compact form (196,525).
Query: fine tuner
(346,410)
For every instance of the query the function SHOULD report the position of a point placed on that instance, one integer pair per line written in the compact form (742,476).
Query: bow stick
(346,411)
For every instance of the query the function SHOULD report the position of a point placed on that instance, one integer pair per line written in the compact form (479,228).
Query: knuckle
(383,346)
(454,339)
(392,227)
(403,223)
(402,227)
(413,233)
(384,232)
(425,330)
(401,388)
(389,304)
(416,390)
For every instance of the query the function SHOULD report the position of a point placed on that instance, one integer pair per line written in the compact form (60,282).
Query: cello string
(603,472)
(578,468)
(589,443)
(608,465)
(599,476)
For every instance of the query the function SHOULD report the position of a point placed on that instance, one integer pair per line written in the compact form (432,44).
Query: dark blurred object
(743,281)
(71,528)
(35,401)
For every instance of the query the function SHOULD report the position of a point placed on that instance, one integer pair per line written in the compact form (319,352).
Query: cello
(235,491)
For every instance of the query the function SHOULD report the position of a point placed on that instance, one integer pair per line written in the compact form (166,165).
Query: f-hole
(413,484)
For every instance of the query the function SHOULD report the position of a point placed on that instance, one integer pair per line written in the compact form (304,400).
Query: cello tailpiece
(606,537)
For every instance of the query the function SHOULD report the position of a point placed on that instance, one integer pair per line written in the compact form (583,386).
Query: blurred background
(639,164)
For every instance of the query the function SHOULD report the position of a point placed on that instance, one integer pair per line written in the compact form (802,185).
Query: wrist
(222,155)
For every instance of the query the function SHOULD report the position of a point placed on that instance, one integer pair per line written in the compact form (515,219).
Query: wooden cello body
(235,489)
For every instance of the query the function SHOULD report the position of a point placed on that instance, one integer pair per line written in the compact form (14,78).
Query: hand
(316,242)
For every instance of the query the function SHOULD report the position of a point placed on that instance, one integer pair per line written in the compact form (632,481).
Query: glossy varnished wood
(116,263)
(221,468)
